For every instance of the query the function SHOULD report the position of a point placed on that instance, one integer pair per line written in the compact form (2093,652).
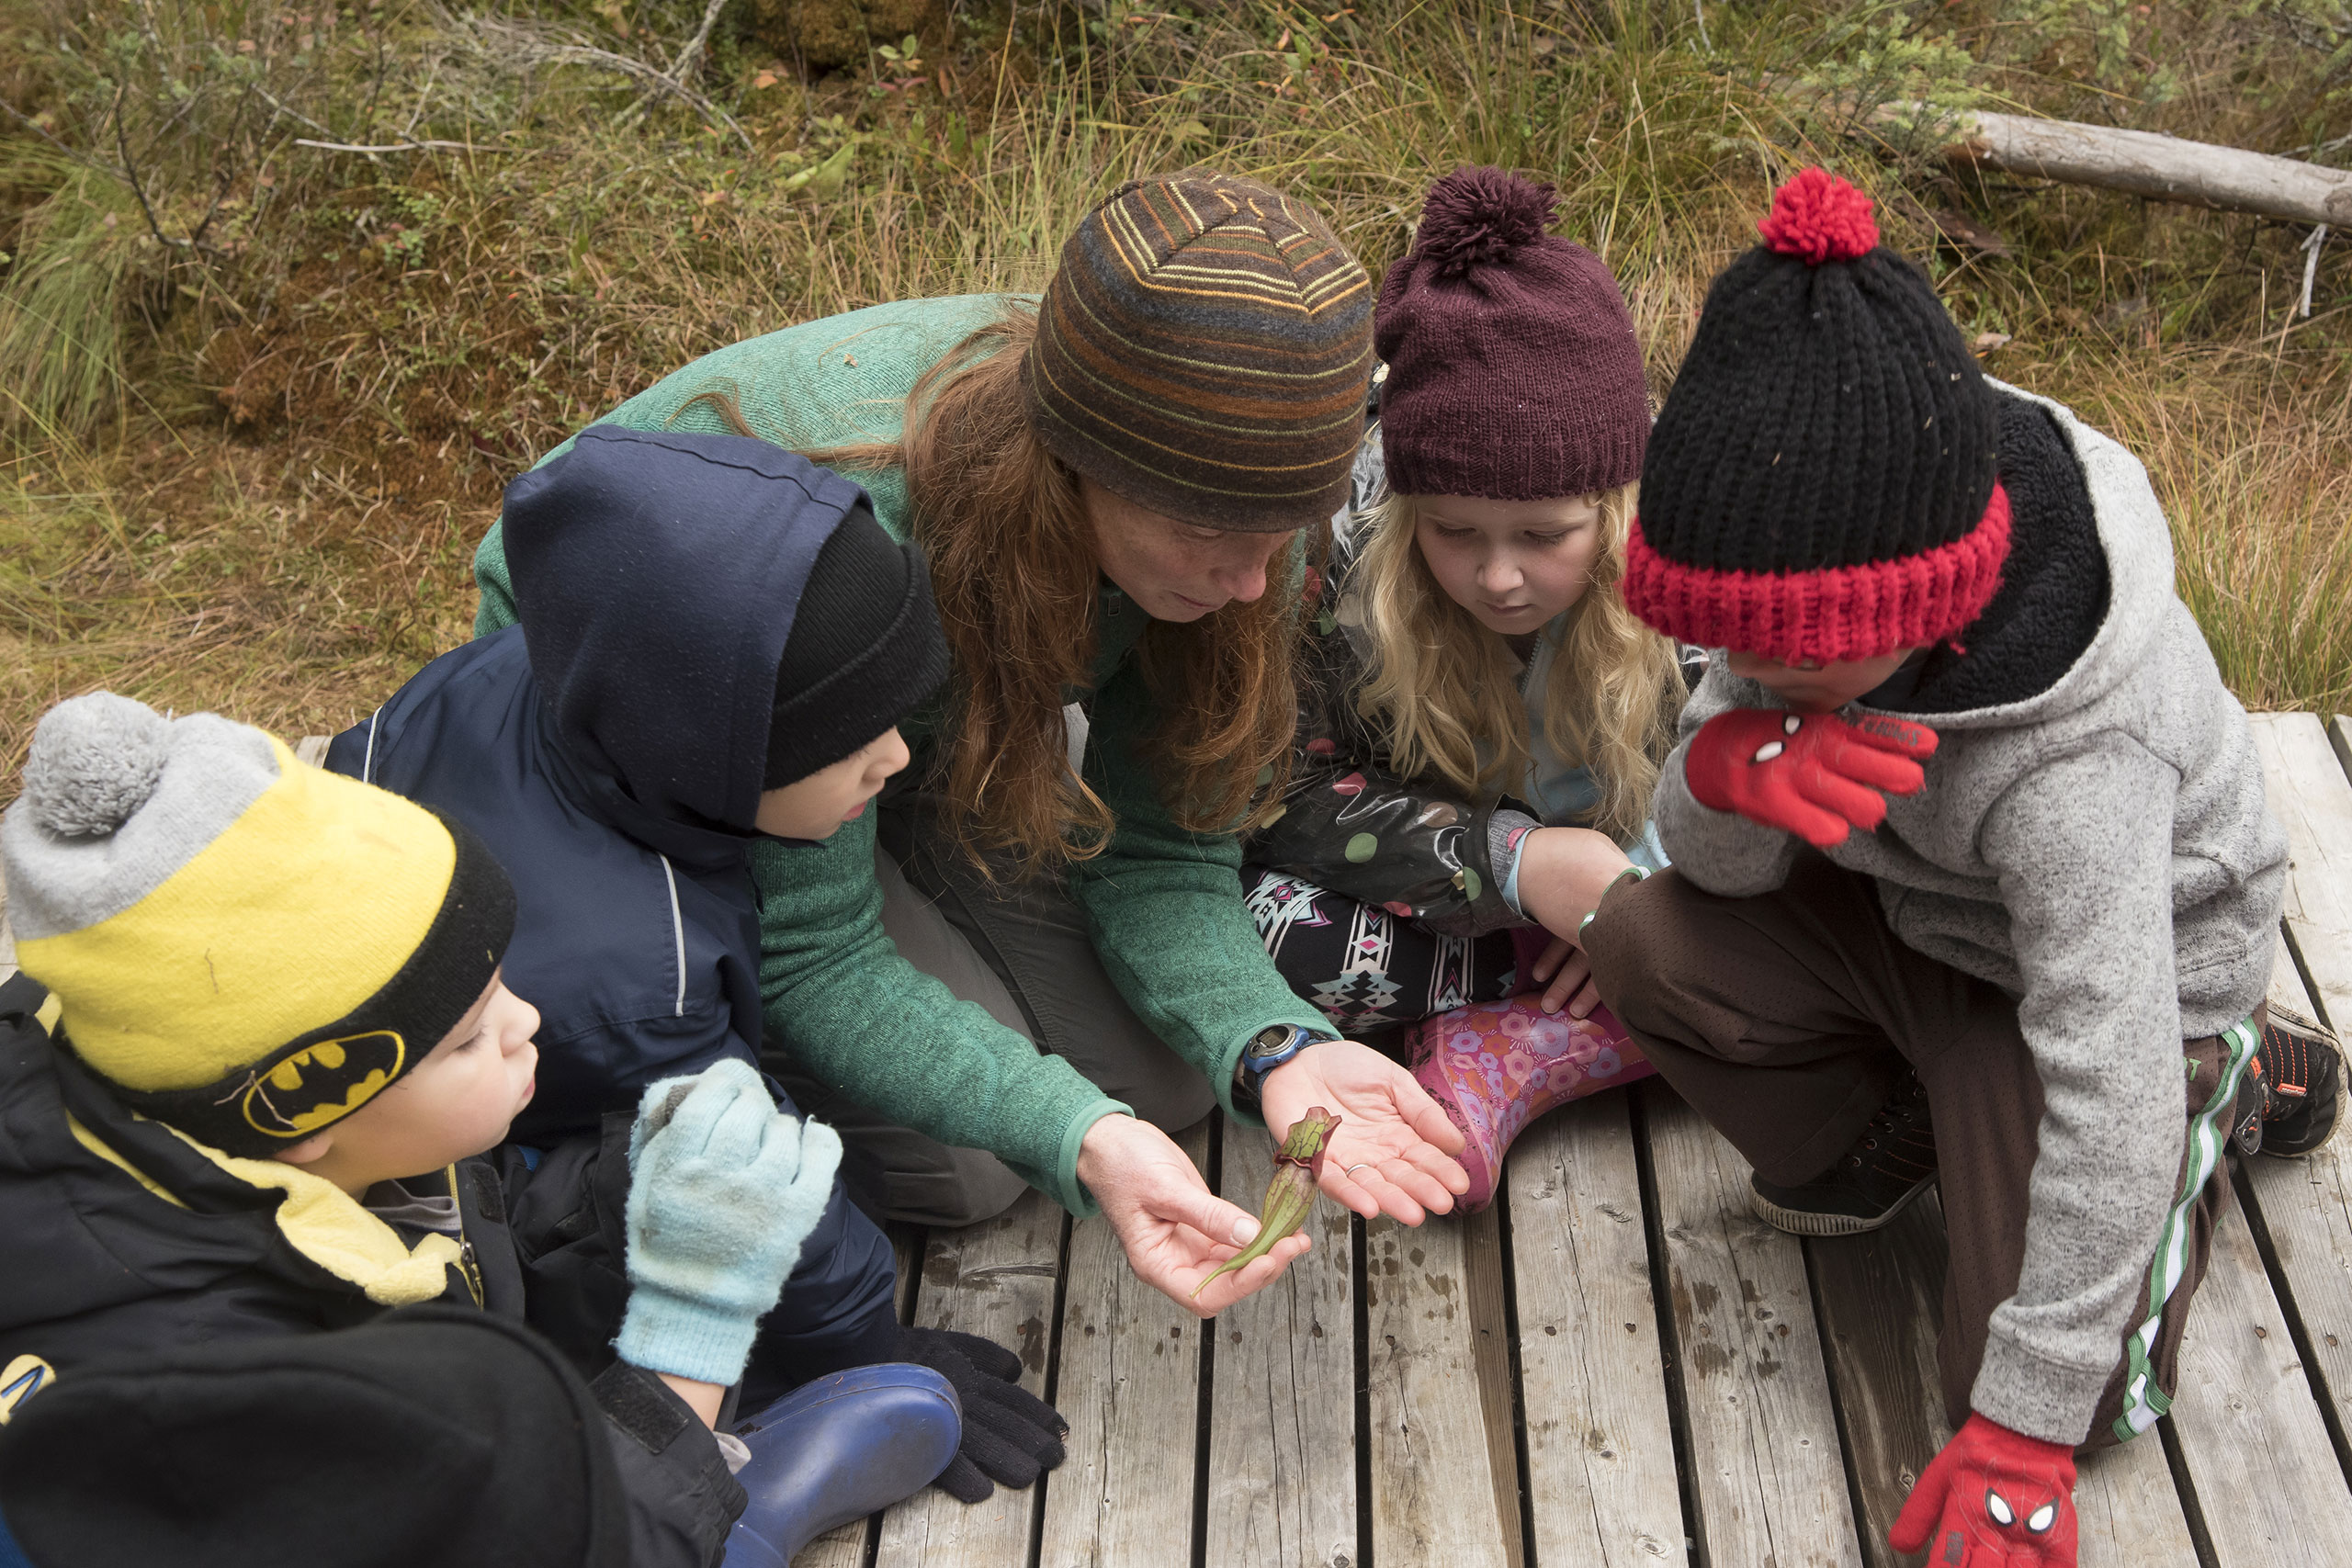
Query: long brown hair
(1013,571)
(1441,684)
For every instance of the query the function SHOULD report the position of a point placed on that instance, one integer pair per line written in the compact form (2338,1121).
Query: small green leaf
(1361,848)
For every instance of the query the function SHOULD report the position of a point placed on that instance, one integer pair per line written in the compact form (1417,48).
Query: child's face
(1513,564)
(458,1102)
(1810,687)
(816,806)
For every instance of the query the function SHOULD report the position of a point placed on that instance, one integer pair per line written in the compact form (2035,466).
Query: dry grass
(265,498)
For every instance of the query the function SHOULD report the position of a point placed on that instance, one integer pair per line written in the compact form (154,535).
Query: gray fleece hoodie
(2100,851)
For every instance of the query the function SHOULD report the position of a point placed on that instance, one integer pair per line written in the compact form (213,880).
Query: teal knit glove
(723,1190)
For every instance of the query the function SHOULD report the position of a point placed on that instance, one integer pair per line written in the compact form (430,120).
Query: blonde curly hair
(1441,683)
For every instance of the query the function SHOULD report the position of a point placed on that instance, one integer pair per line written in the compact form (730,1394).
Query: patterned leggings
(1364,967)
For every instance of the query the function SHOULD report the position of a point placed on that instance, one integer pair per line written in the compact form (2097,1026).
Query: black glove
(1010,1434)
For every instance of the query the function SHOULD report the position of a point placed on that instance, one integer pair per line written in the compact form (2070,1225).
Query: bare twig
(688,56)
(426,146)
(523,47)
(130,177)
(83,159)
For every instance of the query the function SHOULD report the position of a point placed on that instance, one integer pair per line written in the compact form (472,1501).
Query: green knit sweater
(1165,904)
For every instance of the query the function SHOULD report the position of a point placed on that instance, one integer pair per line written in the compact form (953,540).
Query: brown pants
(1787,1019)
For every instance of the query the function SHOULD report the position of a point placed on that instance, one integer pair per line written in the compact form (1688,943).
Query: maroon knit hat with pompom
(1513,372)
(1820,484)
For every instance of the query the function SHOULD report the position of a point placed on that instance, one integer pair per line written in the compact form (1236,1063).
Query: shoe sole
(1805,1222)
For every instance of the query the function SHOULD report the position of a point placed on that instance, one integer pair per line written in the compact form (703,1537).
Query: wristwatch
(1268,1049)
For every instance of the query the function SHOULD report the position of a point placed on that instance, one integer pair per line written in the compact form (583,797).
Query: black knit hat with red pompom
(1820,483)
(1513,372)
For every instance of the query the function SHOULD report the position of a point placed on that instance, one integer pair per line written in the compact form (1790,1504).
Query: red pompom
(1821,218)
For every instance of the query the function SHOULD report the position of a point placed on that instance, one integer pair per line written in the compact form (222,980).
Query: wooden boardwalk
(1618,1366)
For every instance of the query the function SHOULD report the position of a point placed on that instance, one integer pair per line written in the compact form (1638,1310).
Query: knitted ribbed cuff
(1506,833)
(2036,1396)
(684,1338)
(1069,1191)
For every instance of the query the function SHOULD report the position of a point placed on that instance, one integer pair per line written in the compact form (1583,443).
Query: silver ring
(1360,1165)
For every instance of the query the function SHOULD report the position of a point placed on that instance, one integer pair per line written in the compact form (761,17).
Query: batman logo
(323,1083)
(23,1378)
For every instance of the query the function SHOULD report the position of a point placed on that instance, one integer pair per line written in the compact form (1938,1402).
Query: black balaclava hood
(657,576)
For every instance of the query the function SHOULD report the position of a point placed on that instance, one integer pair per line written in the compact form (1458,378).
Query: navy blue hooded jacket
(610,750)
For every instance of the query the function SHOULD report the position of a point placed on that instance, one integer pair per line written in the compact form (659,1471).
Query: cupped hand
(1395,1137)
(1173,1228)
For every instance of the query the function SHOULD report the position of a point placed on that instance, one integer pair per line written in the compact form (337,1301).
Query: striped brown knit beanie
(1820,483)
(1204,351)
(1513,371)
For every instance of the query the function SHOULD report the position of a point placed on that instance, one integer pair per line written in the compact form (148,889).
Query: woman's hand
(1395,1135)
(1173,1228)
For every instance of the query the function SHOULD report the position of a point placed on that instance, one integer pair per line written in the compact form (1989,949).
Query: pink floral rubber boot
(1495,1067)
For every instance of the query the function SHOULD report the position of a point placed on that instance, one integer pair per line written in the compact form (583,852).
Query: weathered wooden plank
(1881,1300)
(995,1279)
(1129,1387)
(1433,1494)
(2339,734)
(312,749)
(2306,1208)
(2128,1510)
(1599,1449)
(2257,1451)
(1769,1480)
(1283,1409)
(1485,1287)
(2313,799)
(7,938)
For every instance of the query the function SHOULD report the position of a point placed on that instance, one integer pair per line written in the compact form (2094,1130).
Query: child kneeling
(1481,718)
(274,1043)
(2036,974)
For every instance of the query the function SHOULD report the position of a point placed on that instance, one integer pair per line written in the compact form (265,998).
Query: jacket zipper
(466,1265)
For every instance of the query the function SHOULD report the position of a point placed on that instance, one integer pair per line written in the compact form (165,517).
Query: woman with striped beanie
(1033,956)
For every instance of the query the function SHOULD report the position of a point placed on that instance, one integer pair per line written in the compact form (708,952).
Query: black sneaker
(1883,1173)
(2301,1070)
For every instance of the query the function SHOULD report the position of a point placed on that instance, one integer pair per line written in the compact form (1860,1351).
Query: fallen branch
(2143,162)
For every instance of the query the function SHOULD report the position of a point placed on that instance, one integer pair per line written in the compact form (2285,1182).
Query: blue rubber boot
(837,1449)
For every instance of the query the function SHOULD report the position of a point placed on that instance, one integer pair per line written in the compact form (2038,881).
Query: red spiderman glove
(1815,775)
(1992,1499)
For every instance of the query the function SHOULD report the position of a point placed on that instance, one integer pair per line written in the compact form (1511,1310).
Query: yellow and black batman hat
(243,946)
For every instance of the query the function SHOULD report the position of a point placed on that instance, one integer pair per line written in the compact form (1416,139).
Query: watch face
(1271,1039)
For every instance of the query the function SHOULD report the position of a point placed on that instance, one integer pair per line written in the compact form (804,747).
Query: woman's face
(1177,571)
(1513,564)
